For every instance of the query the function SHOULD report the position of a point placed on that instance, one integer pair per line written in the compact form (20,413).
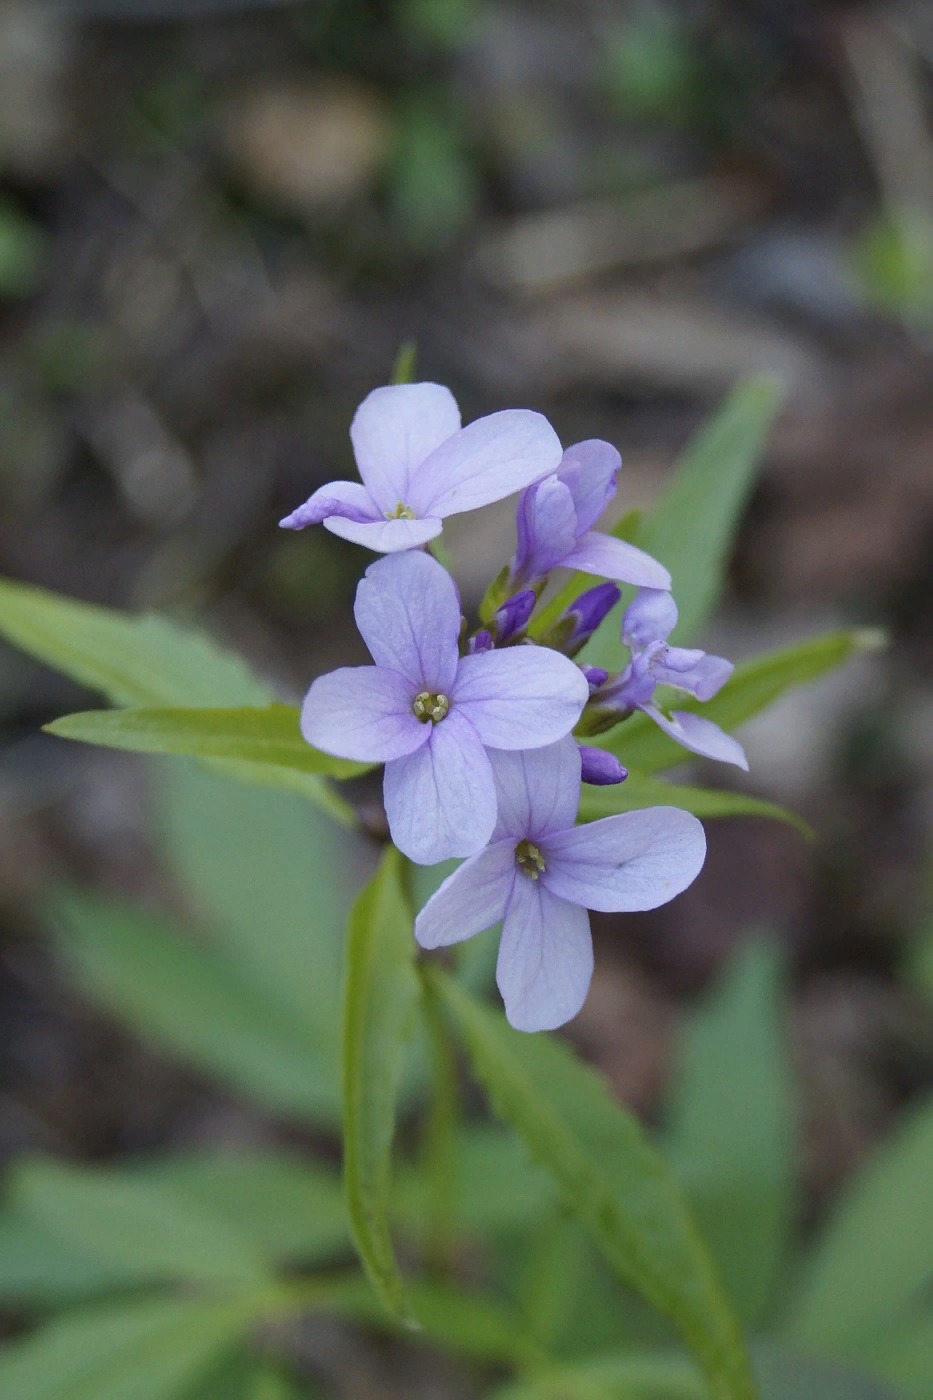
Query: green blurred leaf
(893,259)
(143,1228)
(379,1002)
(37,1270)
(288,1208)
(272,880)
(904,1354)
(152,1349)
(433,186)
(751,688)
(637,792)
(609,1177)
(189,1001)
(403,370)
(692,528)
(730,1136)
(144,661)
(267,735)
(875,1256)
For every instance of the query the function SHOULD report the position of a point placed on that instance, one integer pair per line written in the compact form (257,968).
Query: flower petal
(520,697)
(484,462)
(362,712)
(546,523)
(473,898)
(545,958)
(650,617)
(590,470)
(594,553)
(700,735)
(344,498)
(441,799)
(538,790)
(408,612)
(385,536)
(392,432)
(694,671)
(637,860)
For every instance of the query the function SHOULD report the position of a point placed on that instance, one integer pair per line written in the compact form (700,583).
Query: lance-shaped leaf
(692,528)
(873,1259)
(610,1178)
(268,735)
(380,995)
(146,1229)
(637,792)
(148,661)
(751,688)
(730,1134)
(133,660)
(189,1000)
(150,1349)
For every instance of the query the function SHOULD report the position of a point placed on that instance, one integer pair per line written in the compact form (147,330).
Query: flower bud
(600,768)
(514,614)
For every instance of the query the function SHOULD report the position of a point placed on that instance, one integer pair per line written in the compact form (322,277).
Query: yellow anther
(529,859)
(428,706)
(401,512)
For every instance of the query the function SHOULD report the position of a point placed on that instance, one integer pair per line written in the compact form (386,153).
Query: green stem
(440,1142)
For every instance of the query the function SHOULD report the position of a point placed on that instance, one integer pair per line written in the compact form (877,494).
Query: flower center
(430,706)
(529,859)
(401,512)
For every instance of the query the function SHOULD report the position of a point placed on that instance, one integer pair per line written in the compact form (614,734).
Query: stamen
(401,512)
(529,859)
(430,706)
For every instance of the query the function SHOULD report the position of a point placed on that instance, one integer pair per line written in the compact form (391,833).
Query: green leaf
(751,688)
(37,1270)
(265,870)
(189,1001)
(730,1137)
(380,996)
(152,1349)
(145,660)
(142,1228)
(904,1354)
(609,1177)
(403,370)
(874,1257)
(288,1208)
(637,792)
(693,526)
(268,735)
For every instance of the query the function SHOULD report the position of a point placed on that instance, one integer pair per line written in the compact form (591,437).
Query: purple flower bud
(600,768)
(588,611)
(513,616)
(481,641)
(595,677)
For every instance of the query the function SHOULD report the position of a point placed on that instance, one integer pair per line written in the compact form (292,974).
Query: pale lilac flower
(541,874)
(418,466)
(556,517)
(601,769)
(513,616)
(647,624)
(586,613)
(430,714)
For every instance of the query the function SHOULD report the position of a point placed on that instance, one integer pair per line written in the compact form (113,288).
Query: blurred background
(219,220)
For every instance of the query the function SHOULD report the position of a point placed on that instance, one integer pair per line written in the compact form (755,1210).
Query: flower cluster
(476,729)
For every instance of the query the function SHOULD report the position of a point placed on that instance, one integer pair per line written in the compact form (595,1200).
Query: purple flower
(418,466)
(600,768)
(647,624)
(513,616)
(586,613)
(541,874)
(430,714)
(556,516)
